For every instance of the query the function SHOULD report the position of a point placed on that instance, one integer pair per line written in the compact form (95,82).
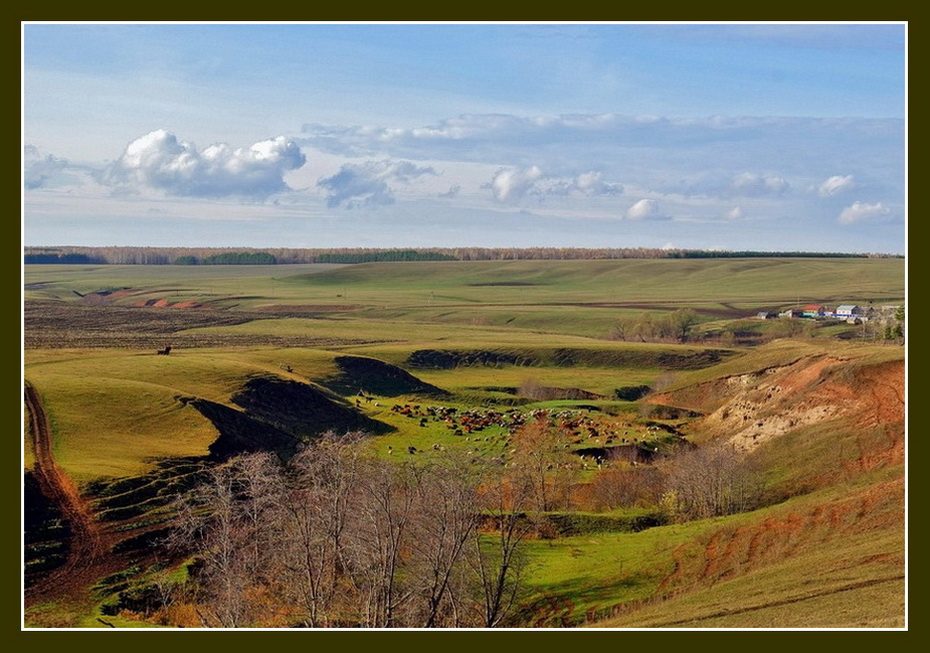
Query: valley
(568,425)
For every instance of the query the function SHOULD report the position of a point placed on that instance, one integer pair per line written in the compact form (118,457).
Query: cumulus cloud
(160,161)
(861,212)
(511,184)
(752,185)
(835,185)
(645,209)
(369,183)
(717,161)
(40,170)
(592,183)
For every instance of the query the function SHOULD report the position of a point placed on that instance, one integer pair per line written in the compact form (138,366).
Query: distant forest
(284,256)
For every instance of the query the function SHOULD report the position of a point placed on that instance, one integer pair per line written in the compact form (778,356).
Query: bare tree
(624,328)
(446,519)
(496,557)
(336,537)
(229,522)
(543,463)
(383,509)
(717,479)
(625,486)
(317,508)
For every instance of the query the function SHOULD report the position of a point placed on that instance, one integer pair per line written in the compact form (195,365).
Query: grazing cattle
(165,351)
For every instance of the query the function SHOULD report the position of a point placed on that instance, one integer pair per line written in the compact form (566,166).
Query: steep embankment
(363,374)
(278,414)
(754,408)
(829,431)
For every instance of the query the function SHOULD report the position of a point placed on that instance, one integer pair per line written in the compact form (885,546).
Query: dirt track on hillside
(87,545)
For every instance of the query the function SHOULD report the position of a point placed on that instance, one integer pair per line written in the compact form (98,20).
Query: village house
(791,312)
(847,311)
(814,310)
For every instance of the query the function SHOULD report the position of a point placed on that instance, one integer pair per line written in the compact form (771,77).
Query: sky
(734,136)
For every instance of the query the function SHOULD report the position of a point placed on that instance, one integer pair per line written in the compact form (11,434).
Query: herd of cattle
(598,436)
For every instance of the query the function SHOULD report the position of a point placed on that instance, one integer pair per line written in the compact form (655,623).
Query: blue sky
(732,136)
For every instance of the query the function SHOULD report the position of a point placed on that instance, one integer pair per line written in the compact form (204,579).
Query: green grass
(688,282)
(572,297)
(107,427)
(592,573)
(819,589)
(114,410)
(818,563)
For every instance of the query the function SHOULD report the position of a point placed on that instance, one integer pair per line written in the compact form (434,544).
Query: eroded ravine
(86,542)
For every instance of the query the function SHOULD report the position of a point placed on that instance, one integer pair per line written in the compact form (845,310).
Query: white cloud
(645,209)
(736,213)
(860,212)
(752,185)
(40,170)
(368,184)
(835,185)
(592,183)
(511,185)
(160,161)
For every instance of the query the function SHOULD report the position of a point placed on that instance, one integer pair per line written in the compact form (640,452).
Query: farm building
(847,311)
(766,315)
(814,310)
(791,312)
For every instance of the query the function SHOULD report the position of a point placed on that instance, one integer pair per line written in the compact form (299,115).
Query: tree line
(228,258)
(191,255)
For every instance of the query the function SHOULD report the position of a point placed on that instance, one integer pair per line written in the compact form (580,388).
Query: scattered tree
(682,322)
(713,480)
(336,538)
(542,463)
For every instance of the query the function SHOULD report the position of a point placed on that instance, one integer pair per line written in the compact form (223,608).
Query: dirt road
(86,546)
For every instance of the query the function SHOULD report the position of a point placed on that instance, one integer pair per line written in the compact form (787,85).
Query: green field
(499,336)
(572,297)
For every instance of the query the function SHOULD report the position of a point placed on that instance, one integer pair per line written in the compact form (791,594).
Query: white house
(847,311)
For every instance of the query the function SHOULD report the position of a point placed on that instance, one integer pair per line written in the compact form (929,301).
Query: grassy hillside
(830,559)
(264,355)
(581,297)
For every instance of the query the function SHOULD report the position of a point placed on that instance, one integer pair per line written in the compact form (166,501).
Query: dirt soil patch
(75,325)
(751,409)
